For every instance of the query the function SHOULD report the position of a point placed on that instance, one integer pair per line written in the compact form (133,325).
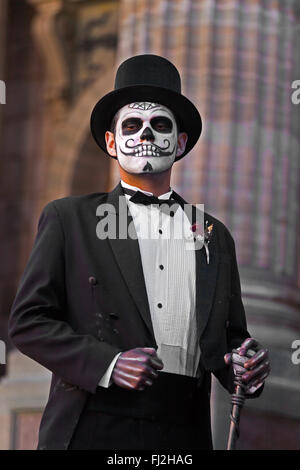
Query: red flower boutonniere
(203,237)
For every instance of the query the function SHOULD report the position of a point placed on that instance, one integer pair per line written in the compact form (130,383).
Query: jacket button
(92,280)
(113,315)
(99,315)
(227,324)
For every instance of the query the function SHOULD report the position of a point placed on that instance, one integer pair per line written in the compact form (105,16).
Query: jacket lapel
(206,274)
(126,250)
(206,280)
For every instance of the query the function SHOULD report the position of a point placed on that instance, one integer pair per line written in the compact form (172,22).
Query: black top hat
(151,78)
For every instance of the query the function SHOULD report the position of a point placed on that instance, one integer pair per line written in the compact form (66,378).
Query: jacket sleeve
(37,323)
(237,324)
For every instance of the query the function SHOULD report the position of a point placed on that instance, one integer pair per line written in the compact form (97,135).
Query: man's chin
(145,165)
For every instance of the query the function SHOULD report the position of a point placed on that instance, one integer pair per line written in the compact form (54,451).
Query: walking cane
(237,399)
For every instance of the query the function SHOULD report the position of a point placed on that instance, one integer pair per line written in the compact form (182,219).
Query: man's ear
(110,143)
(181,143)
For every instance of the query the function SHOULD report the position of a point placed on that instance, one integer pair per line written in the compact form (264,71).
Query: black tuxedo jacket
(81,300)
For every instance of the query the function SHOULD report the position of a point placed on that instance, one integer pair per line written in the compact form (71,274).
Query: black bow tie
(139,197)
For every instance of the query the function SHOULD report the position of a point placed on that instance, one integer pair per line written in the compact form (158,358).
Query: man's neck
(157,184)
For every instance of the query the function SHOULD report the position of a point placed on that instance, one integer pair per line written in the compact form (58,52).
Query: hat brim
(185,111)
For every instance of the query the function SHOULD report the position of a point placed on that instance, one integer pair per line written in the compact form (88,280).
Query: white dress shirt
(170,272)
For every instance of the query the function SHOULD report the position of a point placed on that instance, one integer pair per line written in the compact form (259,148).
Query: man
(132,326)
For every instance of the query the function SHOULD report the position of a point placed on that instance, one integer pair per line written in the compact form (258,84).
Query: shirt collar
(136,188)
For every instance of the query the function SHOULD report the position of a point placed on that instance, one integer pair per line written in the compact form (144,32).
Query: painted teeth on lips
(146,150)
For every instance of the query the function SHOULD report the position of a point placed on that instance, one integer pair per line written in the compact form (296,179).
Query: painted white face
(146,137)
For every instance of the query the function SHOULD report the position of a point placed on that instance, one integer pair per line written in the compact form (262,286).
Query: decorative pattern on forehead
(144,105)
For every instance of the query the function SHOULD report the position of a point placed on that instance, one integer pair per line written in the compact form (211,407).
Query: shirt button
(159,305)
(172,213)
(113,315)
(160,231)
(161,266)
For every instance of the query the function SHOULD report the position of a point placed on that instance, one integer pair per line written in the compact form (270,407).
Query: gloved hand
(253,362)
(136,368)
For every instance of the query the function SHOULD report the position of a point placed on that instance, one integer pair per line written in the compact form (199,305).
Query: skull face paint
(146,137)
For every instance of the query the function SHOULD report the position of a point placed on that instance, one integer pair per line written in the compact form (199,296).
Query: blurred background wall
(237,60)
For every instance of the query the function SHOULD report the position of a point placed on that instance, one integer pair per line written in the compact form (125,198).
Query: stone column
(23,395)
(238,61)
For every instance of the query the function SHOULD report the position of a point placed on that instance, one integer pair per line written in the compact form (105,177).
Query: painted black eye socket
(131,126)
(162,124)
